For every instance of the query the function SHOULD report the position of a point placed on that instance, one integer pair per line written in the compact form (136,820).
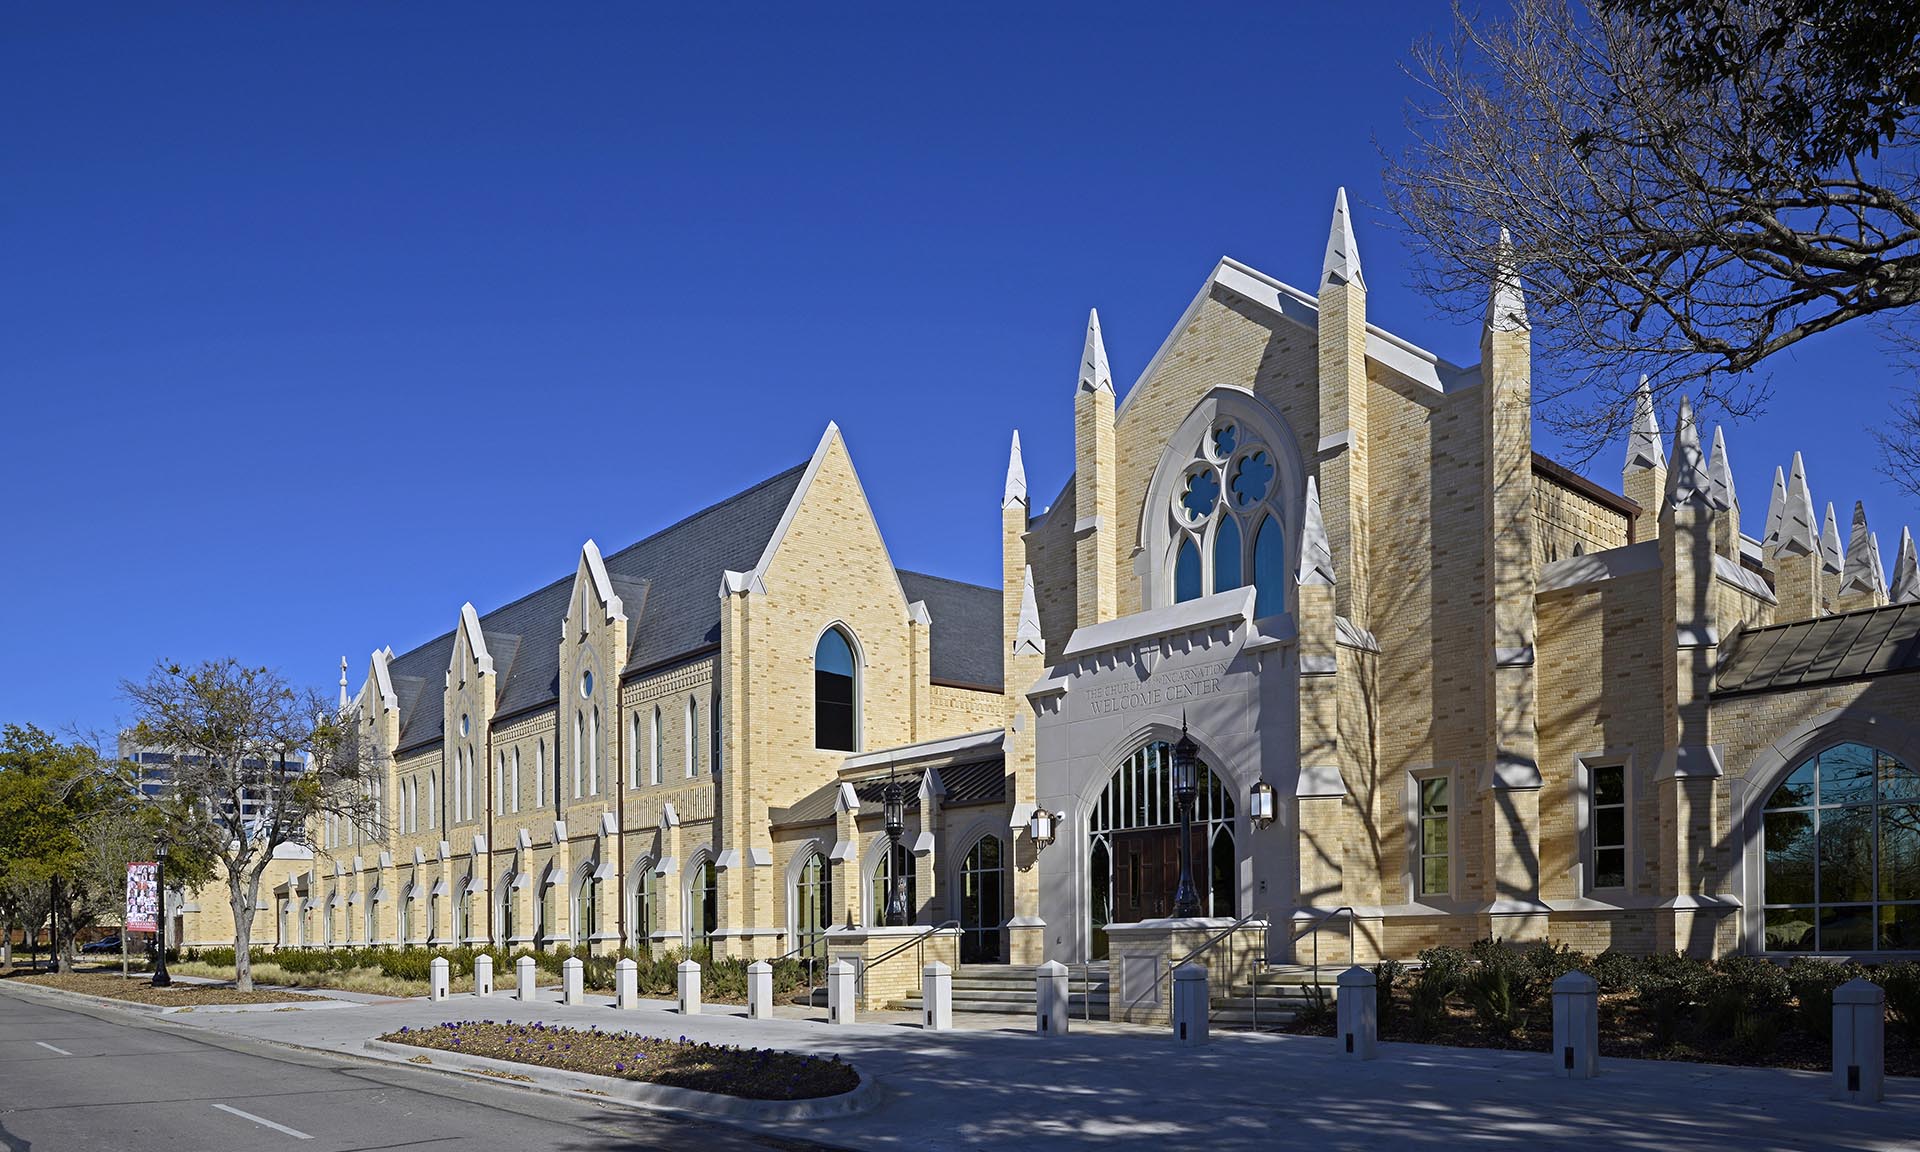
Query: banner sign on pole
(143,898)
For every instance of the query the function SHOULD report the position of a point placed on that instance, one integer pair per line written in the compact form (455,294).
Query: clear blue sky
(318,320)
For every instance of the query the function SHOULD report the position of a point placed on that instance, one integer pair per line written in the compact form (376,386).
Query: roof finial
(1316,551)
(1094,373)
(1342,264)
(1879,568)
(1016,474)
(1797,533)
(1027,637)
(343,681)
(1643,443)
(1776,508)
(1857,577)
(1906,572)
(1720,474)
(1687,483)
(1507,307)
(1831,555)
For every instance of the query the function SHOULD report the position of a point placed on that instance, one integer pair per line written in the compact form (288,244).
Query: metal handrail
(1314,928)
(810,961)
(860,980)
(1207,945)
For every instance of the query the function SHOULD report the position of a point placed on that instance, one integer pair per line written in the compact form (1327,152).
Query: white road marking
(51,1048)
(265,1123)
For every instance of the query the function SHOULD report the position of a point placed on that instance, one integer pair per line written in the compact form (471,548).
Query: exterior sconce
(1042,826)
(1261,804)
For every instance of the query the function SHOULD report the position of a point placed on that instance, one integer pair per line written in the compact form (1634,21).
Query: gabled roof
(675,570)
(1852,645)
(965,644)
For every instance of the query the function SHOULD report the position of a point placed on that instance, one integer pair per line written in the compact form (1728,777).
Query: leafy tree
(51,796)
(255,761)
(1692,186)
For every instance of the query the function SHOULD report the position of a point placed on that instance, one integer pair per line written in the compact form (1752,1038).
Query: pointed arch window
(1186,573)
(579,743)
(1222,521)
(1841,870)
(540,773)
(513,783)
(836,693)
(713,732)
(693,738)
(659,747)
(1226,556)
(1270,568)
(635,750)
(593,753)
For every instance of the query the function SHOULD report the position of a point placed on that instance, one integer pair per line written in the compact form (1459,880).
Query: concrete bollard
(527,972)
(1859,1042)
(483,975)
(842,979)
(1050,1012)
(689,988)
(1576,1026)
(438,980)
(1357,1014)
(626,985)
(573,981)
(936,996)
(759,990)
(1191,1004)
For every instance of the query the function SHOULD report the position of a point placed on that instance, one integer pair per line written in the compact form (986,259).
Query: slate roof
(1853,645)
(966,629)
(669,584)
(974,782)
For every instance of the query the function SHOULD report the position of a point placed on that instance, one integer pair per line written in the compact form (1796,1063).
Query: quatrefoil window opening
(1226,534)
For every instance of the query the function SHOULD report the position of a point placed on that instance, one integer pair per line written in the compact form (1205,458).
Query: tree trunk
(6,945)
(242,935)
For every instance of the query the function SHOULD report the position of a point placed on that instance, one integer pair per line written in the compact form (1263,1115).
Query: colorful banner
(143,897)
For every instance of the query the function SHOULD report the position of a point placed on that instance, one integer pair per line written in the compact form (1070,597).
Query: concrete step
(1244,1018)
(1080,1007)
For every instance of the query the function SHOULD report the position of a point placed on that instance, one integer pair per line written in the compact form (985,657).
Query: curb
(657,1097)
(61,994)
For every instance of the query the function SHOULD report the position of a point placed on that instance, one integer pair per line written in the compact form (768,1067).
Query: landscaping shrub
(1668,986)
(1614,971)
(1551,961)
(1386,974)
(1813,982)
(1902,984)
(1441,970)
(1742,1004)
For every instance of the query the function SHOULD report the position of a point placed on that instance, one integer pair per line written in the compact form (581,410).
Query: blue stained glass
(1250,480)
(1201,494)
(1226,555)
(1269,569)
(1186,572)
(1225,439)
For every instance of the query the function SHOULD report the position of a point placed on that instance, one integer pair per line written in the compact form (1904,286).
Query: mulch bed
(1627,1032)
(751,1073)
(113,986)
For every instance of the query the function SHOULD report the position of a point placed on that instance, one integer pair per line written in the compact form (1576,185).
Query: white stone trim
(1595,567)
(1234,606)
(987,739)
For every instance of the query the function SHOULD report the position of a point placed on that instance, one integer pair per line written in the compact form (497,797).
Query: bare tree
(254,762)
(1685,194)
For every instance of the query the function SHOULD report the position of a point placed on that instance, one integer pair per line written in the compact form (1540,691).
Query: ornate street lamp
(896,812)
(1186,898)
(161,978)
(1262,806)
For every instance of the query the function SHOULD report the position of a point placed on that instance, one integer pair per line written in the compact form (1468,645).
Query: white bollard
(626,985)
(689,988)
(1050,1011)
(527,972)
(1357,1014)
(1859,1042)
(936,996)
(1190,1004)
(841,979)
(1576,1026)
(759,990)
(573,981)
(483,975)
(437,981)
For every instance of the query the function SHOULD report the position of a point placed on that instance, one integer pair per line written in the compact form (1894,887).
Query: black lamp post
(1186,898)
(161,979)
(896,813)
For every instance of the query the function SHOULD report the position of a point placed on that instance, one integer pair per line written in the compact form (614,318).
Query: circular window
(466,725)
(1198,496)
(586,685)
(1225,439)
(1250,479)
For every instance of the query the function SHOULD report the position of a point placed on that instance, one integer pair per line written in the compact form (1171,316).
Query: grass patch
(750,1073)
(137,989)
(371,981)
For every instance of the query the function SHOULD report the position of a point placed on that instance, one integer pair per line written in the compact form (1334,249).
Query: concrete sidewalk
(1000,1086)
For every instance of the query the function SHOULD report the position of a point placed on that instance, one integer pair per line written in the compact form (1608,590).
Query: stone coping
(660,1097)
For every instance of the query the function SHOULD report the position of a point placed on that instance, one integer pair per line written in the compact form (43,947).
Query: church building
(1433,687)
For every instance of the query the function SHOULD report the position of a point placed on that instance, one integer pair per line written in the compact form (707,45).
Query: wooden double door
(1146,871)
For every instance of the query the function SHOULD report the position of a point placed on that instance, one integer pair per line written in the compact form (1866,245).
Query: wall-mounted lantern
(1262,804)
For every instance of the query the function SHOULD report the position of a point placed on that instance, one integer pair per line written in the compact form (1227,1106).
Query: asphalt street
(78,1079)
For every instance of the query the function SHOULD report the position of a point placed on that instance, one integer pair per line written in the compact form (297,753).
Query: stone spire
(1797,533)
(343,681)
(1831,556)
(1720,473)
(1027,638)
(1879,569)
(1342,265)
(1687,482)
(1906,572)
(1860,583)
(1507,306)
(1643,445)
(1094,373)
(1316,554)
(1776,508)
(1016,475)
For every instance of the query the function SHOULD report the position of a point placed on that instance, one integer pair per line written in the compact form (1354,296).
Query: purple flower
(619,1067)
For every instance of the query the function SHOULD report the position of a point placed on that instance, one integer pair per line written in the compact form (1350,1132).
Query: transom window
(1842,871)
(1225,524)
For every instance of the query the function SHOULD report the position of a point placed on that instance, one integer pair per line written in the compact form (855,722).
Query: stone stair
(1271,998)
(1008,989)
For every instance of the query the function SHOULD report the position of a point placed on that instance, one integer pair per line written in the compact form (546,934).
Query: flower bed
(140,990)
(1737,1010)
(750,1073)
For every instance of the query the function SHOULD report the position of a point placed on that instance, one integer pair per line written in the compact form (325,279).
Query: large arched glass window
(586,907)
(836,723)
(1222,501)
(1842,841)
(1133,845)
(703,907)
(401,916)
(813,906)
(503,911)
(643,911)
(1270,569)
(983,878)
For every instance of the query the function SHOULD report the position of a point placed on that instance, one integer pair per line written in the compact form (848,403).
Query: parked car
(109,944)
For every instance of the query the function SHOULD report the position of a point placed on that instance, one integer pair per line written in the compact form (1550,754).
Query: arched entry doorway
(1133,845)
